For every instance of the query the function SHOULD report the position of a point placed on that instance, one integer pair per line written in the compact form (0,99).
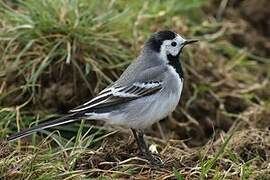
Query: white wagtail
(147,91)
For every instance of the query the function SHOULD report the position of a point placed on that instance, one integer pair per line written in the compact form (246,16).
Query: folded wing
(119,95)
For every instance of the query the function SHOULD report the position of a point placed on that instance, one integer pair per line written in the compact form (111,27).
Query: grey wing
(155,73)
(145,83)
(119,95)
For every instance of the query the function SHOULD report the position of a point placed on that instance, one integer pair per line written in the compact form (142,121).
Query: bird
(146,92)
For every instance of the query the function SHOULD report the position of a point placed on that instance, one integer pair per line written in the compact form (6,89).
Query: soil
(252,19)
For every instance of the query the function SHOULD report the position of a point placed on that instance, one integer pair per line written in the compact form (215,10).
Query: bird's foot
(153,159)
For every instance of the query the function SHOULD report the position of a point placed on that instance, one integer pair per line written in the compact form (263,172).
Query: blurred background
(56,55)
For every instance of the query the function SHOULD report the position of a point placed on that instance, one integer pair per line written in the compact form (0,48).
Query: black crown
(156,40)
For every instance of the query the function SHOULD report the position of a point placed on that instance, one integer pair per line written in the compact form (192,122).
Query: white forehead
(180,38)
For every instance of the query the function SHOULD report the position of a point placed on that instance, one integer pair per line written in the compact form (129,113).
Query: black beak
(190,41)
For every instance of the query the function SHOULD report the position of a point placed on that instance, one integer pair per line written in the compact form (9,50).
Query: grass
(56,32)
(55,54)
(207,165)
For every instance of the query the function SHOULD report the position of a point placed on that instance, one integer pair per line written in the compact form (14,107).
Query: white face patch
(171,47)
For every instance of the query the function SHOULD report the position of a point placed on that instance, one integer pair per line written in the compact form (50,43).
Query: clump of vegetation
(57,54)
(57,42)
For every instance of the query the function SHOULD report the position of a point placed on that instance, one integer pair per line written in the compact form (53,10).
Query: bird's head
(167,43)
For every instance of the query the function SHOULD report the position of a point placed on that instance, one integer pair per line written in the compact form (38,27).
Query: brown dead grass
(252,144)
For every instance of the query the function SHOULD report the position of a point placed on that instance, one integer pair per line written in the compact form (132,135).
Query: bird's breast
(174,82)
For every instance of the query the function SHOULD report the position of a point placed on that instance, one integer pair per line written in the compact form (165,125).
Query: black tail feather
(63,120)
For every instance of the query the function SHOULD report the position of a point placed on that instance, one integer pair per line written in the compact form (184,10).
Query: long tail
(63,120)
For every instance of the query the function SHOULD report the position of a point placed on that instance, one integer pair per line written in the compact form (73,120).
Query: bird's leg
(142,151)
(143,144)
(148,155)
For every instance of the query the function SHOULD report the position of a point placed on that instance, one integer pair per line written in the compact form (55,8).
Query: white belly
(159,110)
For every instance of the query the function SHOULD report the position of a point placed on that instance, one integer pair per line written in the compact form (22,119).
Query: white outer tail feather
(41,126)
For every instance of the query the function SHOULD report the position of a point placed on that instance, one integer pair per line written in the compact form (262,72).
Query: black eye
(173,43)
